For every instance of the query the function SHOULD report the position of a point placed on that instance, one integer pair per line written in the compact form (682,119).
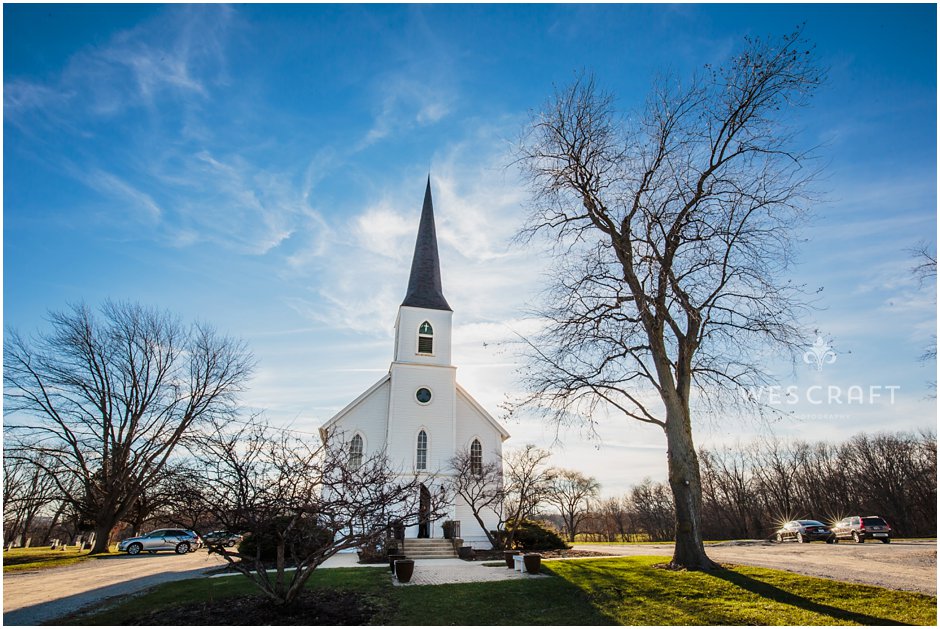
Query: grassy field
(706,542)
(622,591)
(40,558)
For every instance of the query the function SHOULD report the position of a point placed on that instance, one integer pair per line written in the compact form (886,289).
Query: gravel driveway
(900,565)
(31,598)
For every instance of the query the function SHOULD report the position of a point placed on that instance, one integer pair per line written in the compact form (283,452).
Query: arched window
(425,339)
(476,458)
(421,460)
(355,451)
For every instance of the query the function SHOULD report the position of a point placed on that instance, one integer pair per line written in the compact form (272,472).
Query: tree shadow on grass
(774,593)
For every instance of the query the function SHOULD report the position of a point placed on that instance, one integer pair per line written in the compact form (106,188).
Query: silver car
(176,540)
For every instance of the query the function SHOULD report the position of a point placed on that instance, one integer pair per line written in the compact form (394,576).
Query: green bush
(305,537)
(532,535)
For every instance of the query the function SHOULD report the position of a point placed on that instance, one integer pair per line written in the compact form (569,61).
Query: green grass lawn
(41,558)
(627,591)
(706,542)
(631,591)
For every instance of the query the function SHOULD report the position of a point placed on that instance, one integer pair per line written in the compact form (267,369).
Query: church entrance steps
(429,549)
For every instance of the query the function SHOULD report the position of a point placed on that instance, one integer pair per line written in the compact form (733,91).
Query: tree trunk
(494,542)
(686,483)
(102,536)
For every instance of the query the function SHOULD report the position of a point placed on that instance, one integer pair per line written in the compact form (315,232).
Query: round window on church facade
(423,395)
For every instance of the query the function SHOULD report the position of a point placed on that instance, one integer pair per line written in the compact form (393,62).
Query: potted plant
(508,556)
(465,552)
(392,558)
(448,527)
(533,562)
(404,568)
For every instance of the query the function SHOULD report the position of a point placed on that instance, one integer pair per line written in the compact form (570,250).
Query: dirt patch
(320,607)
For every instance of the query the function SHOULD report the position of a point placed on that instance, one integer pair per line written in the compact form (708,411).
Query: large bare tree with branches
(308,500)
(672,232)
(105,399)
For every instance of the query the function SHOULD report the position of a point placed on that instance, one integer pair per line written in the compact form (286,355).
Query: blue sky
(262,167)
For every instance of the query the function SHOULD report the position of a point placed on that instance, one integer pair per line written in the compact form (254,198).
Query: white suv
(176,540)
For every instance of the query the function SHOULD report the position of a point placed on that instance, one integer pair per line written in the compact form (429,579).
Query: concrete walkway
(430,571)
(444,571)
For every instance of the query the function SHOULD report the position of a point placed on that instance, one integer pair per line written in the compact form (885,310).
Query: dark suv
(859,528)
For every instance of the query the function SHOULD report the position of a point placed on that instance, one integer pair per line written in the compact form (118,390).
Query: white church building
(417,412)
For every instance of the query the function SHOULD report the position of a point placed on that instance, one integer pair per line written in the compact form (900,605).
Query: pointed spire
(424,285)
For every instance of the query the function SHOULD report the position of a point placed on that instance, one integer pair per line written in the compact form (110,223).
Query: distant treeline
(749,491)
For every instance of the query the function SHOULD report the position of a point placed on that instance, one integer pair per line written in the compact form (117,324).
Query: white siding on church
(409,320)
(471,424)
(470,529)
(407,417)
(366,418)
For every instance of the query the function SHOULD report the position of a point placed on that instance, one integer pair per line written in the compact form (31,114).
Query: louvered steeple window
(425,339)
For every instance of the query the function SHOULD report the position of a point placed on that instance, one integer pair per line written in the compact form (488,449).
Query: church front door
(424,513)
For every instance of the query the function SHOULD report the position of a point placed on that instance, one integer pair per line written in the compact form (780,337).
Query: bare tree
(652,510)
(512,488)
(672,236)
(572,493)
(728,491)
(28,488)
(173,498)
(107,399)
(312,501)
(526,479)
(480,485)
(615,513)
(926,272)
(751,491)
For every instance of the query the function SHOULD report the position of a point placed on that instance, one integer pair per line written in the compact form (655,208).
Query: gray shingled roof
(424,285)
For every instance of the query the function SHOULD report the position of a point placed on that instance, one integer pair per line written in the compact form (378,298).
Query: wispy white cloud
(139,103)
(384,230)
(176,54)
(406,103)
(115,187)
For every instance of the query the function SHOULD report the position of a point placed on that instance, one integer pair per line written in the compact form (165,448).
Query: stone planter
(508,556)
(392,558)
(465,552)
(404,568)
(533,563)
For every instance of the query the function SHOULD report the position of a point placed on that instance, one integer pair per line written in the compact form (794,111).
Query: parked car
(176,540)
(805,531)
(223,538)
(859,528)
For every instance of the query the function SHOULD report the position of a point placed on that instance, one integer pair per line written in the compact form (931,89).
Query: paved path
(430,571)
(900,565)
(31,598)
(444,571)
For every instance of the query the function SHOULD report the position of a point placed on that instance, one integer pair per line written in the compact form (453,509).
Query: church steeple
(424,284)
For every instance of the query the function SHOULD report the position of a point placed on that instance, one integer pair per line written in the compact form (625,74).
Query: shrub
(305,537)
(532,535)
